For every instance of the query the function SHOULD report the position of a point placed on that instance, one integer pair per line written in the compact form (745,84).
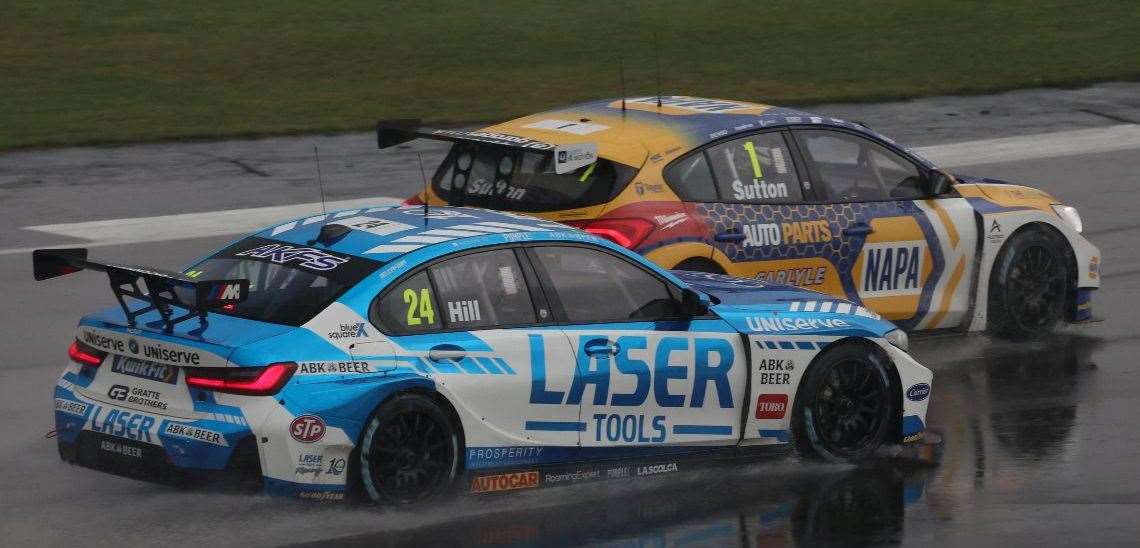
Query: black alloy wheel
(845,409)
(409,451)
(1027,287)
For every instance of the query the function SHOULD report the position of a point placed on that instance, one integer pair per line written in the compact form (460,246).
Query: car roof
(682,123)
(383,233)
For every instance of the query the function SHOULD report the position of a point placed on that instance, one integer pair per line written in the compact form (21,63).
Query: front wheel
(409,451)
(1027,287)
(844,409)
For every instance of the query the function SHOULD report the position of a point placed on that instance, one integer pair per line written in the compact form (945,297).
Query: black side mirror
(694,303)
(939,183)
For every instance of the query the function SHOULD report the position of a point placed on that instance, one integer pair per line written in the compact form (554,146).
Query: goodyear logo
(505,482)
(892,268)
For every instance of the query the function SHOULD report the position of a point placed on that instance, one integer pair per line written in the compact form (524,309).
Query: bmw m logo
(133,345)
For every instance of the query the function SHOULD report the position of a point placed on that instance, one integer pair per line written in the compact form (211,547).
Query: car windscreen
(288,284)
(503,178)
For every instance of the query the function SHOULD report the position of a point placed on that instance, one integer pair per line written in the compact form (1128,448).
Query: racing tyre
(1028,287)
(844,409)
(699,265)
(409,451)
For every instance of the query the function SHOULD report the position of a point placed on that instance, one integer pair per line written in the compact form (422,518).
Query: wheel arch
(1064,245)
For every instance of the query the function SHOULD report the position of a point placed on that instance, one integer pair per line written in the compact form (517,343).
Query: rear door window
(482,290)
(502,178)
(756,169)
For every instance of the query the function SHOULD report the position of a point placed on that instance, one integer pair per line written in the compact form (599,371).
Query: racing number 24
(419,306)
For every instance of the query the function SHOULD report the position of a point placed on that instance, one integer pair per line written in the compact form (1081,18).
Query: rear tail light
(250,381)
(628,233)
(413,201)
(85,354)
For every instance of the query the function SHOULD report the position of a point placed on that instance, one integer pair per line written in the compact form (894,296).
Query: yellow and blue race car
(784,196)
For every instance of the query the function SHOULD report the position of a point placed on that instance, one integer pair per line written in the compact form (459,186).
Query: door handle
(445,353)
(730,235)
(601,346)
(858,229)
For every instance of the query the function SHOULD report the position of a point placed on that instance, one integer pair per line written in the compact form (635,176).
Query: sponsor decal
(122,423)
(118,392)
(495,138)
(918,392)
(505,482)
(706,360)
(758,189)
(307,428)
(71,407)
(802,277)
(144,369)
(695,104)
(308,463)
(655,469)
(148,349)
(892,268)
(573,156)
(321,495)
(629,428)
(779,324)
(463,311)
(771,406)
(336,467)
(995,234)
(226,292)
(140,396)
(133,345)
(504,455)
(372,225)
(641,188)
(349,331)
(121,449)
(186,431)
(317,368)
(102,342)
(567,126)
(1094,267)
(572,477)
(306,257)
(793,233)
(669,221)
(418,211)
(773,371)
(619,472)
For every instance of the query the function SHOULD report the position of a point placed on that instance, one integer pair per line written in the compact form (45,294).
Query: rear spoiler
(159,285)
(566,157)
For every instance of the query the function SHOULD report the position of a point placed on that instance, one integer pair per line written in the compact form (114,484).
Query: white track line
(238,221)
(1032,147)
(184,226)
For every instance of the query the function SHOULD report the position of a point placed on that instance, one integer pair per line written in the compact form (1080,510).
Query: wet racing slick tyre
(845,409)
(409,451)
(697,264)
(1028,286)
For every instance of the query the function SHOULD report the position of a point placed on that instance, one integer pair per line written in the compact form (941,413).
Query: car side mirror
(939,183)
(694,303)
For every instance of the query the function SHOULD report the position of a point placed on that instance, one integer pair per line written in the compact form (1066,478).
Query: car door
(474,323)
(645,375)
(754,203)
(901,253)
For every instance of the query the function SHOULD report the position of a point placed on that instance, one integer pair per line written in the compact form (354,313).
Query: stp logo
(307,428)
(771,406)
(118,392)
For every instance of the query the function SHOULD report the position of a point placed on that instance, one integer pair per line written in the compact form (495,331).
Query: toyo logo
(307,428)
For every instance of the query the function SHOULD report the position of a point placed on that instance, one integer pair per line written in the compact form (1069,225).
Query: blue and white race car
(397,353)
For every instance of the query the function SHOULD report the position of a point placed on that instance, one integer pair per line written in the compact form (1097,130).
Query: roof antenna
(621,78)
(320,180)
(423,174)
(657,64)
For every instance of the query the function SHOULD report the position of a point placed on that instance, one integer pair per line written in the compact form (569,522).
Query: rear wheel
(844,409)
(1028,287)
(409,451)
(697,264)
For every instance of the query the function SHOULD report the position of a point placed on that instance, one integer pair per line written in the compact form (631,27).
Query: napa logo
(892,269)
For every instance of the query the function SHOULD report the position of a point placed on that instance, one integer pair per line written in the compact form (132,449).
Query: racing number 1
(419,306)
(751,149)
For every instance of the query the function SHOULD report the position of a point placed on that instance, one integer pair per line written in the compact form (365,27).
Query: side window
(409,308)
(594,286)
(482,290)
(755,170)
(849,168)
(692,179)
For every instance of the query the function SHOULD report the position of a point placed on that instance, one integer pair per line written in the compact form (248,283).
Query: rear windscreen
(503,178)
(288,284)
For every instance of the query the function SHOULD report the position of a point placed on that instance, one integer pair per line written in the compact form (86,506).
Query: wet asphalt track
(1041,441)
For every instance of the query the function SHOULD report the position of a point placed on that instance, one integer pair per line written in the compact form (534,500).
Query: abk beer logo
(307,428)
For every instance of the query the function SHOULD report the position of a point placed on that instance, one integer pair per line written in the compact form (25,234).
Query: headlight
(899,339)
(1069,215)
